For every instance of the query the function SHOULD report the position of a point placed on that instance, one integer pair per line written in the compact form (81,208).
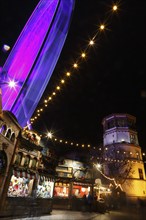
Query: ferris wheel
(32,60)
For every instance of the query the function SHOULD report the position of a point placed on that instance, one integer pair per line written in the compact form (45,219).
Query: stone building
(122,154)
(26,179)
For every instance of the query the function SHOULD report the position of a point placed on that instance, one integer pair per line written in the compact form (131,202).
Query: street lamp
(49,135)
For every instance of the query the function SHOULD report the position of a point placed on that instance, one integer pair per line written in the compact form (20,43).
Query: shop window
(140,174)
(45,188)
(27,160)
(20,187)
(80,190)
(8,134)
(61,189)
(12,137)
(3,129)
(18,158)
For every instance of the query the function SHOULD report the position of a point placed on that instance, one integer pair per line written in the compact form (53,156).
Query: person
(89,201)
(84,208)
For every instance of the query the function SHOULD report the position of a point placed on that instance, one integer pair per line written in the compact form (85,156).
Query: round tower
(122,154)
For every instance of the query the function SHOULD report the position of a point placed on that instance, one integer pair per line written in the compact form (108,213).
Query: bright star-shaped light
(49,135)
(12,84)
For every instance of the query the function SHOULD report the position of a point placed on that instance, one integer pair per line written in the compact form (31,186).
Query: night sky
(111,80)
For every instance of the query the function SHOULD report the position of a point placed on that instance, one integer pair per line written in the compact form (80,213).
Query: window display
(45,188)
(79,190)
(61,189)
(20,187)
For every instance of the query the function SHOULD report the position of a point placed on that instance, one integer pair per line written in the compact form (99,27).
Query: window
(80,189)
(132,138)
(8,134)
(45,188)
(12,137)
(20,187)
(18,159)
(111,124)
(26,162)
(61,189)
(140,174)
(34,161)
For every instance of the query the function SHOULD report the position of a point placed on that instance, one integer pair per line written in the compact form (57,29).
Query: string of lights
(75,66)
(111,179)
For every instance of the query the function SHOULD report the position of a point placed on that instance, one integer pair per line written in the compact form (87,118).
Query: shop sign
(64,169)
(62,174)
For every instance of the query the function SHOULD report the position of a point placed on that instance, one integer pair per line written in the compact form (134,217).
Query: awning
(46,178)
(23,174)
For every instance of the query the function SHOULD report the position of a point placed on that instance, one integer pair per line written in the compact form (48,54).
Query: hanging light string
(127,156)
(100,153)
(111,179)
(75,66)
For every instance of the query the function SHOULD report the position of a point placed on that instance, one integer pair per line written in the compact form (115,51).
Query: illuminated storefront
(45,187)
(72,183)
(80,189)
(61,189)
(20,187)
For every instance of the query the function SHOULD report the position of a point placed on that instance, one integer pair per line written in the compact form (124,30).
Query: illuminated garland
(111,179)
(89,146)
(75,66)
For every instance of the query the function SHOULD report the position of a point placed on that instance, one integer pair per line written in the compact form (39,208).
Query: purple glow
(34,56)
(26,49)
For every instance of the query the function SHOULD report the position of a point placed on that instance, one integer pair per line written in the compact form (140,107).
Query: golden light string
(102,27)
(75,66)
(111,179)
(83,145)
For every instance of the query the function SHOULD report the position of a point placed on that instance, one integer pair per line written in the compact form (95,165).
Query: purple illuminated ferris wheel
(34,56)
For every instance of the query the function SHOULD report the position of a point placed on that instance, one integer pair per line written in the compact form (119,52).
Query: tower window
(140,174)
(132,139)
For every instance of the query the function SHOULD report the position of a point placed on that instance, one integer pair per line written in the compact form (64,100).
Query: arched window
(27,160)
(33,137)
(12,137)
(8,134)
(18,158)
(3,129)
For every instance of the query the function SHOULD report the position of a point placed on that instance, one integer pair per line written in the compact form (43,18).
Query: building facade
(26,180)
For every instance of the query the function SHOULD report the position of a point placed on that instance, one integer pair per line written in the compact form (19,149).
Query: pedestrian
(84,198)
(89,202)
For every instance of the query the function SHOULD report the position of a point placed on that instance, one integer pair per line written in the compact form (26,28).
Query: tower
(122,154)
